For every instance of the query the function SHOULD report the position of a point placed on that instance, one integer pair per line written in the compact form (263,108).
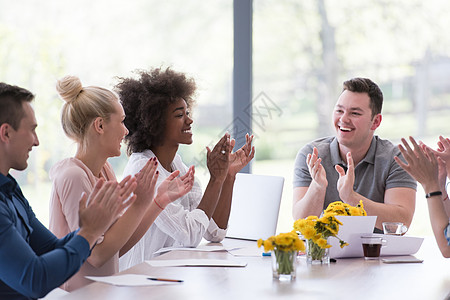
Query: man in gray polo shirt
(321,175)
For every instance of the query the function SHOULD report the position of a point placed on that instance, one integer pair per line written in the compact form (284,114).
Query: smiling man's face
(352,119)
(22,140)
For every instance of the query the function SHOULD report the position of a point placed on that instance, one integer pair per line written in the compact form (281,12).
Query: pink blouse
(71,177)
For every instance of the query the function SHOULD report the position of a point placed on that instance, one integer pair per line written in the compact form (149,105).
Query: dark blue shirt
(32,260)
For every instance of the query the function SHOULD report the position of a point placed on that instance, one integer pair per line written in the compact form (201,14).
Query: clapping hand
(126,187)
(242,157)
(346,180)
(421,163)
(174,187)
(315,168)
(103,206)
(443,151)
(218,159)
(146,182)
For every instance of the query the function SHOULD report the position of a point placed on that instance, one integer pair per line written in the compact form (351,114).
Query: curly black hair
(145,101)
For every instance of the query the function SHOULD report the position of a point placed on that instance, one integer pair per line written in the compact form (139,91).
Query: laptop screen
(255,206)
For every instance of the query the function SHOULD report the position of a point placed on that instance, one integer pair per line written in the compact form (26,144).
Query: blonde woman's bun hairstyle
(82,105)
(68,88)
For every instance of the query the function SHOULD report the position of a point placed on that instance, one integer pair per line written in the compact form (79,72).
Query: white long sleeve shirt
(180,224)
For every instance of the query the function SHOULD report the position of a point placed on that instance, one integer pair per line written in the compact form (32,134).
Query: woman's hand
(421,164)
(98,211)
(218,160)
(174,187)
(242,157)
(146,182)
(126,187)
(443,151)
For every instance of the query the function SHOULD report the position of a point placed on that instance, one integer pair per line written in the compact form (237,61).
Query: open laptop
(351,230)
(255,206)
(354,227)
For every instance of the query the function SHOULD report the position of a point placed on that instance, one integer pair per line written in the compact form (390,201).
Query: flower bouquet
(344,209)
(284,247)
(317,230)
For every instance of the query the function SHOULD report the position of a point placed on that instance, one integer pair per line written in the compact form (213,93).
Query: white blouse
(180,224)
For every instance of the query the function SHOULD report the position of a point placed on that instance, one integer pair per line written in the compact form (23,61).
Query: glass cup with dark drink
(372,246)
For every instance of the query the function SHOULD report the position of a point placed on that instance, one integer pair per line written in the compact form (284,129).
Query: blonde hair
(83,105)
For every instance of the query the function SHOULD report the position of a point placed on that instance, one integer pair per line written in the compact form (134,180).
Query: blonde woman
(93,117)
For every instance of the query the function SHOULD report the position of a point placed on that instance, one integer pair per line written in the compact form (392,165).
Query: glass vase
(316,255)
(284,264)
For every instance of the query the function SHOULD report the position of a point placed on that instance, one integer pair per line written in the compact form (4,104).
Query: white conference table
(353,278)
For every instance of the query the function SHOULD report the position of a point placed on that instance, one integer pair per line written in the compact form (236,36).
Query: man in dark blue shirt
(32,260)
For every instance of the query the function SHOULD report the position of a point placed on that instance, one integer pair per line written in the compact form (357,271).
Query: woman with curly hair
(157,107)
(93,117)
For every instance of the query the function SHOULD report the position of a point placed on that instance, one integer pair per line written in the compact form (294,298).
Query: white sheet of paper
(55,294)
(253,251)
(196,263)
(201,248)
(401,259)
(129,280)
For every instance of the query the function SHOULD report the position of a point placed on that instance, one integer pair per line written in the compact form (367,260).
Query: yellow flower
(342,243)
(308,232)
(337,221)
(322,243)
(300,224)
(316,237)
(268,246)
(354,211)
(340,208)
(300,245)
(361,208)
(334,230)
(260,243)
(318,230)
(326,219)
(284,241)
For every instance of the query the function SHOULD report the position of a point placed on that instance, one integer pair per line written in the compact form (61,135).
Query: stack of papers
(129,280)
(196,263)
(236,251)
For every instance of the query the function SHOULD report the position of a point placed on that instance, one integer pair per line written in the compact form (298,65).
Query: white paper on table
(247,251)
(196,263)
(55,294)
(197,249)
(129,280)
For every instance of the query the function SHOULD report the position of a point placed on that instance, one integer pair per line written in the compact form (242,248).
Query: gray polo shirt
(376,173)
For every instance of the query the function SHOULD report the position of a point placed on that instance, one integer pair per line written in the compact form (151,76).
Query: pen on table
(164,279)
(266,254)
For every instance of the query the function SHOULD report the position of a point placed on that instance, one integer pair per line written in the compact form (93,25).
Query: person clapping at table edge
(428,167)
(93,117)
(32,260)
(355,164)
(157,105)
